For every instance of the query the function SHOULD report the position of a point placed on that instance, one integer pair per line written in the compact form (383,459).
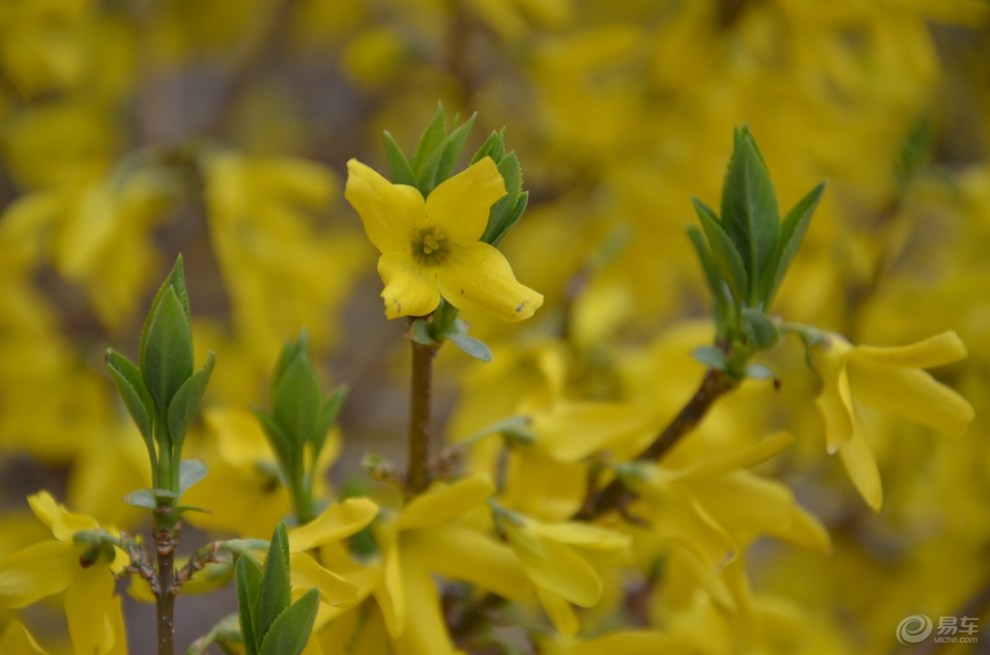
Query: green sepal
(422,332)
(276,588)
(471,346)
(760,372)
(791,234)
(711,356)
(397,162)
(724,252)
(749,209)
(249,582)
(130,385)
(291,630)
(191,471)
(167,354)
(185,404)
(760,330)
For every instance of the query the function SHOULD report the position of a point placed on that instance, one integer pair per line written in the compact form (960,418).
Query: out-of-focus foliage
(133,130)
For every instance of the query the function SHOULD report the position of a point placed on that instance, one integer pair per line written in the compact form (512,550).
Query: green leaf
(749,209)
(328,415)
(724,252)
(397,162)
(471,346)
(191,471)
(291,630)
(440,164)
(791,234)
(296,402)
(167,356)
(290,351)
(760,330)
(432,136)
(507,210)
(185,404)
(279,440)
(276,588)
(506,219)
(175,280)
(721,297)
(134,393)
(711,356)
(249,581)
(422,332)
(494,147)
(141,498)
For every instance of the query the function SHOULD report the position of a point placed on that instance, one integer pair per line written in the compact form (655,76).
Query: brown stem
(166,535)
(418,476)
(615,495)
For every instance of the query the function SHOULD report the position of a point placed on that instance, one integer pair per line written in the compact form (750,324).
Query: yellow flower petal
(861,466)
(426,629)
(477,277)
(574,430)
(459,206)
(632,642)
(835,400)
(940,349)
(724,464)
(86,602)
(560,612)
(17,639)
(307,573)
(911,393)
(338,521)
(443,502)
(410,289)
(114,633)
(37,571)
(388,211)
(583,535)
(390,595)
(555,566)
(462,553)
(64,524)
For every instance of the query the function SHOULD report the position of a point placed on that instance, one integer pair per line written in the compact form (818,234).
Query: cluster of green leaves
(299,421)
(271,624)
(433,161)
(163,393)
(745,254)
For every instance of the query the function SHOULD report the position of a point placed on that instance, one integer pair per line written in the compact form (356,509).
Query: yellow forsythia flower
(431,247)
(891,380)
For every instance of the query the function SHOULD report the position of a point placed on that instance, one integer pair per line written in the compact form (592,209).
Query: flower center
(429,246)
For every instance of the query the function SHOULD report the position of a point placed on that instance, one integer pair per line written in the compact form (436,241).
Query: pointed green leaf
(141,407)
(716,285)
(175,280)
(279,441)
(141,498)
(710,356)
(760,330)
(296,402)
(328,415)
(494,147)
(191,471)
(397,163)
(723,251)
(249,582)
(471,346)
(276,588)
(447,155)
(503,219)
(290,351)
(291,630)
(167,357)
(432,136)
(749,209)
(185,404)
(791,234)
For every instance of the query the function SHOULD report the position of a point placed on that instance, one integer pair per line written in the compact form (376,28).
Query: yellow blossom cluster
(810,513)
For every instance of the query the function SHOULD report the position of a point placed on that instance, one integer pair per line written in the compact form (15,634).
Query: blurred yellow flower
(891,380)
(430,247)
(63,564)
